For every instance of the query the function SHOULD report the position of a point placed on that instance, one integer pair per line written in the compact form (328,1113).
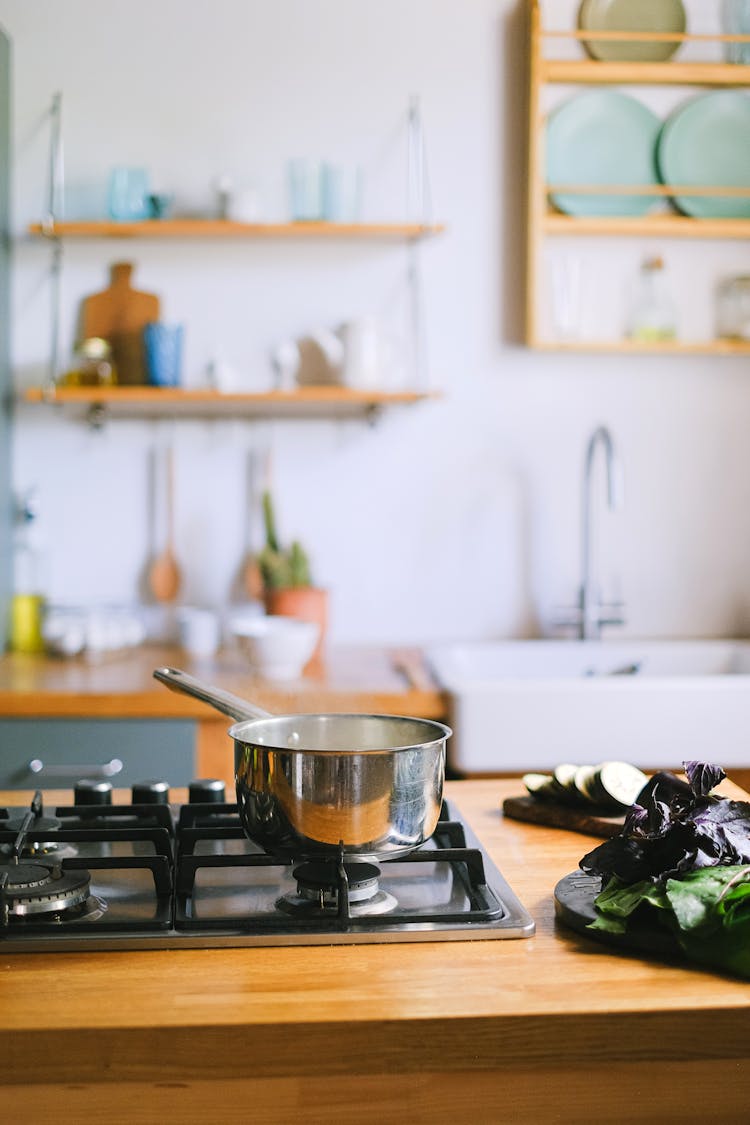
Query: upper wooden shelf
(220,228)
(661,225)
(163,402)
(586,71)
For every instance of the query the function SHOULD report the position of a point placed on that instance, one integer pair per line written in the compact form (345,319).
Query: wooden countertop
(387,680)
(552,1028)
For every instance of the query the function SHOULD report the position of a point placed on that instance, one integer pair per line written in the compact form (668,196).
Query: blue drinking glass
(163,346)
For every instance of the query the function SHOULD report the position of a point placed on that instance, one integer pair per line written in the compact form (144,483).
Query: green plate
(602,137)
(707,142)
(631,15)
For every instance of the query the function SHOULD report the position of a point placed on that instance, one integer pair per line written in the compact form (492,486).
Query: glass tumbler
(735,20)
(163,346)
(128,194)
(306,190)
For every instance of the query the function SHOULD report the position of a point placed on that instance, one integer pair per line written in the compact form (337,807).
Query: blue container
(163,345)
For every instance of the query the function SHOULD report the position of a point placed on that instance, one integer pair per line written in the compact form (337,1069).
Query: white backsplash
(458,518)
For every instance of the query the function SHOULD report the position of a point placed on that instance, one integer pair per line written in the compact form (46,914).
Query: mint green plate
(632,15)
(706,142)
(602,137)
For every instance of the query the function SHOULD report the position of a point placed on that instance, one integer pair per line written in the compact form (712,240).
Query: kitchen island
(555,1027)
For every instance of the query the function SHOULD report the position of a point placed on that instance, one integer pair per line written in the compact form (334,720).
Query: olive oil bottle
(28,601)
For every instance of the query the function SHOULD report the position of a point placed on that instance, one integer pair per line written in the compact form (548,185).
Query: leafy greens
(682,861)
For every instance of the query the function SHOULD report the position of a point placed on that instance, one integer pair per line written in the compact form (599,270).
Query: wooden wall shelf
(590,71)
(219,228)
(640,347)
(543,221)
(158,402)
(661,225)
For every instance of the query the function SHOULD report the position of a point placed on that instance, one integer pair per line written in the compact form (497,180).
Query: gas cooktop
(151,874)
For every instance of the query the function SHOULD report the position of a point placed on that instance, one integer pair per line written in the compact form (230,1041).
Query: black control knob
(150,793)
(90,792)
(207,791)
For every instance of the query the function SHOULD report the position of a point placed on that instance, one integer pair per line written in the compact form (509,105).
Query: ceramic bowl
(278,648)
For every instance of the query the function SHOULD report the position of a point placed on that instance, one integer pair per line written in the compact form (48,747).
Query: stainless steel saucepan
(310,785)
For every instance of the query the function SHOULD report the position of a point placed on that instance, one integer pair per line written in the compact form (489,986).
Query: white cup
(199,630)
(243,206)
(363,353)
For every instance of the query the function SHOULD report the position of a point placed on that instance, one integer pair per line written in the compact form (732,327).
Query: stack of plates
(605,137)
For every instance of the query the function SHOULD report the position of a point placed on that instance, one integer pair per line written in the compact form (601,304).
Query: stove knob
(90,792)
(207,791)
(150,793)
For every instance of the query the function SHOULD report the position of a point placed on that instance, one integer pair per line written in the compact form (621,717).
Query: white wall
(454,519)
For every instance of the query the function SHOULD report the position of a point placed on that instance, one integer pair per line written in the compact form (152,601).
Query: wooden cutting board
(556,815)
(119,314)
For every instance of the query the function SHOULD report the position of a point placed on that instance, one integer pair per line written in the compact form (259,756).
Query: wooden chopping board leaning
(119,314)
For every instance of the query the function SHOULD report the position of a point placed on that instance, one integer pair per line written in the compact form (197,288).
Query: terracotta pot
(309,603)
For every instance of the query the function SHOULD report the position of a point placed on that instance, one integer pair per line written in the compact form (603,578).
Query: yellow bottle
(26,617)
(27,602)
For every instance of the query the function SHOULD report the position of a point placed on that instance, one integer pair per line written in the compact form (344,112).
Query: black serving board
(574,907)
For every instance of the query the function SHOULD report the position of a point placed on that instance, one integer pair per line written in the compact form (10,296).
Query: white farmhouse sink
(527,705)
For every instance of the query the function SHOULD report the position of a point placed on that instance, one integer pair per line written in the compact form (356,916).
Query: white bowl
(278,648)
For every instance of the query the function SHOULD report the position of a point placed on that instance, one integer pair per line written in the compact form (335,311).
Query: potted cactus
(287,586)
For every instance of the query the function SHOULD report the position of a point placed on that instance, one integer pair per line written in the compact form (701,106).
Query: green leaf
(617,902)
(709,897)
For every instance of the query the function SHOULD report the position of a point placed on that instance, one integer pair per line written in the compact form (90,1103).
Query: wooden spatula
(165,577)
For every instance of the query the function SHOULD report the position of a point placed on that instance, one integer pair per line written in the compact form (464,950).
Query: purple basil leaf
(636,820)
(674,828)
(703,777)
(729,823)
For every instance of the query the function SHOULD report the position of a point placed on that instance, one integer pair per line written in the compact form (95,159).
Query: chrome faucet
(591,613)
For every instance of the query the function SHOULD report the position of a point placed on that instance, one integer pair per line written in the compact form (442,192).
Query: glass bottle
(27,602)
(652,315)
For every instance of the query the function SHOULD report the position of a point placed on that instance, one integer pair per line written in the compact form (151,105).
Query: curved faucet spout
(591,612)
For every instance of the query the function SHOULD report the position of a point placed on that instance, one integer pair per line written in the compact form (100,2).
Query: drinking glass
(306,190)
(163,345)
(128,194)
(735,19)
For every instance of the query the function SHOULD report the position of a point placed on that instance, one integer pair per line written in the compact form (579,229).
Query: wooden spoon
(164,574)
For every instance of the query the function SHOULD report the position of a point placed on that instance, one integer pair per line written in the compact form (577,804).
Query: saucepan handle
(221,700)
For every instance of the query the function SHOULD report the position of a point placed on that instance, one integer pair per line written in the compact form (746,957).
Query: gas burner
(35,888)
(34,848)
(320,884)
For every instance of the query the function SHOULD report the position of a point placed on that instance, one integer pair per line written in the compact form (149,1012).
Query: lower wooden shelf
(162,402)
(641,347)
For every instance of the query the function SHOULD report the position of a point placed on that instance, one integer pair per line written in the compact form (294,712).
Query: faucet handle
(568,617)
(611,613)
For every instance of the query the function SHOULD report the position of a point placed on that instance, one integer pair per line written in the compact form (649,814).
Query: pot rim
(244,727)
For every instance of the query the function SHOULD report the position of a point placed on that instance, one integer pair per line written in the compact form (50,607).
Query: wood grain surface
(556,815)
(119,314)
(551,1028)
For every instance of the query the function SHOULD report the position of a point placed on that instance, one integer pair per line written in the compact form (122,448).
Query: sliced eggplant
(584,782)
(565,776)
(539,785)
(620,783)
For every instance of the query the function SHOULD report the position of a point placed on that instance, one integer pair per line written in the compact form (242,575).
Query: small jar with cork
(652,317)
